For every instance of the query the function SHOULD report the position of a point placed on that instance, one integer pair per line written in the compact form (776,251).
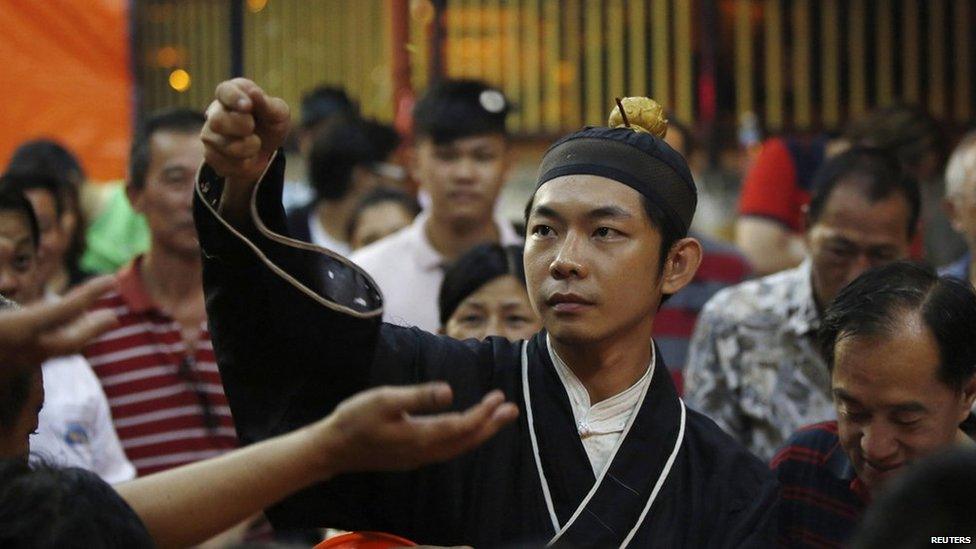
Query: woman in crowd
(483,294)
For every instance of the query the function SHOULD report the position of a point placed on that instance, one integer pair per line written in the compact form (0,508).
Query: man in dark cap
(604,453)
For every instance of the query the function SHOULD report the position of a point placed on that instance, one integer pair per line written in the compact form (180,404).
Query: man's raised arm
(244,128)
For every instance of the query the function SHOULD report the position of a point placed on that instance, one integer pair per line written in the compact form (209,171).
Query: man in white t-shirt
(75,426)
(461,158)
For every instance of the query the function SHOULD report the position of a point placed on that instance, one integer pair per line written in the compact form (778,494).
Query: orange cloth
(65,75)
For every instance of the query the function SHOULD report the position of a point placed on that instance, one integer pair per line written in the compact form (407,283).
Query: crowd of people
(390,353)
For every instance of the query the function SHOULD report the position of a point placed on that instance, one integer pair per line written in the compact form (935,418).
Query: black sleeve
(296,329)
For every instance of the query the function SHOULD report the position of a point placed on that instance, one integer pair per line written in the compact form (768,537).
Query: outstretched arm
(34,333)
(378,429)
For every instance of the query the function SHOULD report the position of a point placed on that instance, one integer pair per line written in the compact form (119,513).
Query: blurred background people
(74,428)
(380,213)
(899,345)
(722,265)
(460,157)
(753,366)
(483,294)
(960,203)
(50,159)
(348,158)
(777,187)
(157,367)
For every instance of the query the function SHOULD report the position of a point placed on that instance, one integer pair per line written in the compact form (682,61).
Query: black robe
(297,330)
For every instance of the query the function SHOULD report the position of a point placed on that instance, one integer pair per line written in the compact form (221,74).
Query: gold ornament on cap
(641,114)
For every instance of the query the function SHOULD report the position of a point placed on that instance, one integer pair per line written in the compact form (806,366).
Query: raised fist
(244,128)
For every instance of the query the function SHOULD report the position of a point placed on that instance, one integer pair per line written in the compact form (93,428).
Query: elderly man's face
(591,259)
(855,234)
(962,210)
(892,407)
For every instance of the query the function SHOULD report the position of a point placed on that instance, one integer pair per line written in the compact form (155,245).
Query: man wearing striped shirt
(157,367)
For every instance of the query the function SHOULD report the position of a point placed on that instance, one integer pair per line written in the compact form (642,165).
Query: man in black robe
(297,328)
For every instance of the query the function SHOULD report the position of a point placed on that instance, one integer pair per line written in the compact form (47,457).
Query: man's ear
(135,196)
(968,397)
(683,260)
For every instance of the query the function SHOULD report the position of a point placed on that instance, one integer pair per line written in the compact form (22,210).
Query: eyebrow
(909,407)
(603,212)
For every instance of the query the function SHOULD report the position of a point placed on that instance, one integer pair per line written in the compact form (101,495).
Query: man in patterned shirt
(754,366)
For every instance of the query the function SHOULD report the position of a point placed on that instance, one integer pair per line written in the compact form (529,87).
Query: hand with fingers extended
(381,429)
(34,333)
(244,127)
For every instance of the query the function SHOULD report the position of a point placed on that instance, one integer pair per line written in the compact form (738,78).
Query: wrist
(321,448)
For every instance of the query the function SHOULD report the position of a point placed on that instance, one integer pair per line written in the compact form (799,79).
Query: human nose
(568,261)
(494,327)
(878,443)
(860,263)
(9,283)
(464,169)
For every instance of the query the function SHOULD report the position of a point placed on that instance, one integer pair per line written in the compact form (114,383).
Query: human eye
(607,233)
(23,262)
(854,415)
(485,155)
(470,319)
(542,231)
(447,154)
(906,420)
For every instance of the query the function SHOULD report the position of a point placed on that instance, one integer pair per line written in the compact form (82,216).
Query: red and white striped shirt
(168,407)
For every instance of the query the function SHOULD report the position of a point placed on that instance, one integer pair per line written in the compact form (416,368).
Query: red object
(771,188)
(365,540)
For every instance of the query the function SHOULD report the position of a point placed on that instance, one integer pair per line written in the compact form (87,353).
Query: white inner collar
(607,416)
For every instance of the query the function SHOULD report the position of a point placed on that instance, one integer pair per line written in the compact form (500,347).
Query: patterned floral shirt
(754,366)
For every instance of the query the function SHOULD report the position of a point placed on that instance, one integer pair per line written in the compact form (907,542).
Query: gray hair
(961,167)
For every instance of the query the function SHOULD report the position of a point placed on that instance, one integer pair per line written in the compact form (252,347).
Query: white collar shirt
(409,272)
(600,425)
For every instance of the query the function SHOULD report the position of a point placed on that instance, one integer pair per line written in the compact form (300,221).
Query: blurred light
(255,6)
(168,56)
(179,80)
(422,11)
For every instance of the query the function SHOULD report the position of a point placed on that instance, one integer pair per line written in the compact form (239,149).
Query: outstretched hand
(34,333)
(381,429)
(244,127)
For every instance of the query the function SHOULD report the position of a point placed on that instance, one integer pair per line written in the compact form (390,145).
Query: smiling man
(899,343)
(604,453)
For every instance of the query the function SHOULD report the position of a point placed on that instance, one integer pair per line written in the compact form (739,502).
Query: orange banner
(64,74)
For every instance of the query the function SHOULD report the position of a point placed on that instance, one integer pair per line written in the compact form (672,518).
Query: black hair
(44,507)
(881,173)
(23,182)
(906,131)
(477,267)
(342,145)
(45,156)
(380,195)
(453,109)
(170,120)
(874,305)
(324,102)
(12,199)
(932,498)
